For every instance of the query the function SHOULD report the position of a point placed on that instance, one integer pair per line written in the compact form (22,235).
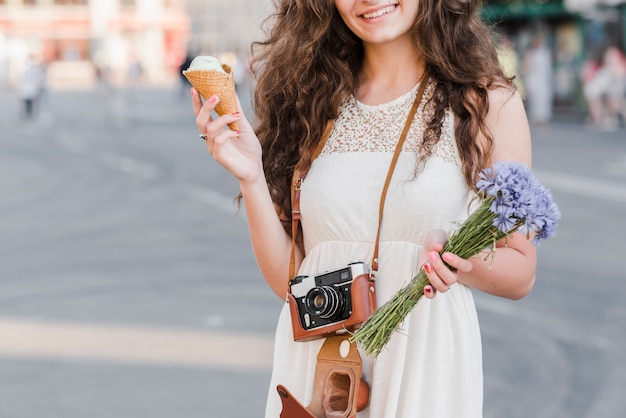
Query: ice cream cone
(210,82)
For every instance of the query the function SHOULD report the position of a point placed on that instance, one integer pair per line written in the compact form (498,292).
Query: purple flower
(504,220)
(519,200)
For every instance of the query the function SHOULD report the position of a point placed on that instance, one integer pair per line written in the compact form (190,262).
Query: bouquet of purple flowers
(512,200)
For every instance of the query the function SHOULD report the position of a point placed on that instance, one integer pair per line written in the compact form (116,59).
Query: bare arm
(511,271)
(240,154)
(271,244)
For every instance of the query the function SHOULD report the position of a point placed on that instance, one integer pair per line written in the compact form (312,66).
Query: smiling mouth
(379,13)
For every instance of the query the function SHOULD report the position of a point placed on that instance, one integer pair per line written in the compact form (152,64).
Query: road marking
(616,168)
(558,328)
(146,171)
(137,345)
(213,198)
(131,166)
(583,186)
(71,143)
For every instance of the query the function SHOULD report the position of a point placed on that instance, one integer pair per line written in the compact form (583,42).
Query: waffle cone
(210,82)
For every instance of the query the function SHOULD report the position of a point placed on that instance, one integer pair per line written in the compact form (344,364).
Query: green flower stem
(476,234)
(385,320)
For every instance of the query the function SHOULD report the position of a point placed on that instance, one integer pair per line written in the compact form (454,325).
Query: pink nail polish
(433,255)
(213,99)
(447,256)
(236,114)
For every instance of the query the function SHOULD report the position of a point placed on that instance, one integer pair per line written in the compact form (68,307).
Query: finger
(222,146)
(244,125)
(196,101)
(204,115)
(429,291)
(216,127)
(433,277)
(225,136)
(210,144)
(233,117)
(458,263)
(435,240)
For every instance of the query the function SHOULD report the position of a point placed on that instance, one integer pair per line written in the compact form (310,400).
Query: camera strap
(301,170)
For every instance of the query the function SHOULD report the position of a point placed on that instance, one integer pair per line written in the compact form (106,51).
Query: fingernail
(213,99)
(433,255)
(447,256)
(236,114)
(428,289)
(236,132)
(427,268)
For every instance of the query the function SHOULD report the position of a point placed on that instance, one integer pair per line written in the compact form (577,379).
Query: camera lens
(323,301)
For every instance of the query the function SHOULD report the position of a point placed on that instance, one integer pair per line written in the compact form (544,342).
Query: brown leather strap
(301,171)
(292,408)
(296,183)
(394,161)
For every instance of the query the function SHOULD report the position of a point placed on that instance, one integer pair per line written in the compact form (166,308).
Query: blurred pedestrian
(103,82)
(135,71)
(31,87)
(565,76)
(594,88)
(604,90)
(45,113)
(537,71)
(615,64)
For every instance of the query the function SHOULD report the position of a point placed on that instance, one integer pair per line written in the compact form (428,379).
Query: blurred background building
(79,39)
(125,40)
(574,31)
(148,40)
(219,26)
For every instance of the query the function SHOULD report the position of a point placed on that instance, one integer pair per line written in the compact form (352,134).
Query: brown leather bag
(338,391)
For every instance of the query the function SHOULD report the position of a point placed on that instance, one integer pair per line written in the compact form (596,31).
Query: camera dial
(323,301)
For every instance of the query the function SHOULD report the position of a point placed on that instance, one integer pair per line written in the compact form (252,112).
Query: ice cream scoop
(210,77)
(206,63)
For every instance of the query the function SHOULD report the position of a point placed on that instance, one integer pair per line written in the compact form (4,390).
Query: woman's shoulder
(508,124)
(501,92)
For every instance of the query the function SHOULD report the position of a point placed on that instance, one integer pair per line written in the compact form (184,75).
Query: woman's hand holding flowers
(512,199)
(442,270)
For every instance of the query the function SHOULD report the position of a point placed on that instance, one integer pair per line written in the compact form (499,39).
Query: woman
(359,63)
(539,81)
(604,88)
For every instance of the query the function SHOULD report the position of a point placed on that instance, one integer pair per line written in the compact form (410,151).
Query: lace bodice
(377,128)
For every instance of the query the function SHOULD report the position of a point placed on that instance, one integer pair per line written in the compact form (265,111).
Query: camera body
(332,302)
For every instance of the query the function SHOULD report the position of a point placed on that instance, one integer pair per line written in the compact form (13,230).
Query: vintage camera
(332,302)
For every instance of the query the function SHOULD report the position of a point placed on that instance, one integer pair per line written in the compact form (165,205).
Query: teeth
(378,13)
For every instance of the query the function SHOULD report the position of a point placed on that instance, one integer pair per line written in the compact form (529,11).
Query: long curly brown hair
(310,63)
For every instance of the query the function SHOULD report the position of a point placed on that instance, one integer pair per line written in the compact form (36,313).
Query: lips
(379,12)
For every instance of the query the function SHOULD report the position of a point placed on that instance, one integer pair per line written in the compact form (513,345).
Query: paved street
(128,288)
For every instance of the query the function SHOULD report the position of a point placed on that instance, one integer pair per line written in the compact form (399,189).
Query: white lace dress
(432,368)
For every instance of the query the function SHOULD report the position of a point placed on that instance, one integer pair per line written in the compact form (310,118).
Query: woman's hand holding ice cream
(239,151)
(209,77)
